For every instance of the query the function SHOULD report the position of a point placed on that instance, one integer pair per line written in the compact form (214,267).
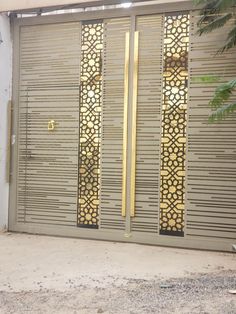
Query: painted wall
(5,96)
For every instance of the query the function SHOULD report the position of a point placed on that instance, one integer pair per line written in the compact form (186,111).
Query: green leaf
(213,6)
(213,15)
(231,40)
(222,113)
(209,10)
(217,22)
(222,94)
(198,2)
(225,4)
(206,79)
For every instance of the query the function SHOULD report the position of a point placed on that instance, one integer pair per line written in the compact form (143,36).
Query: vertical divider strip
(125,126)
(9,124)
(134,122)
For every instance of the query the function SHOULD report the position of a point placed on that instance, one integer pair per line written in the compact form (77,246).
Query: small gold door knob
(51,125)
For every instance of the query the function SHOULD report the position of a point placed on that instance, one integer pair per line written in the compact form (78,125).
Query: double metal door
(93,156)
(100,134)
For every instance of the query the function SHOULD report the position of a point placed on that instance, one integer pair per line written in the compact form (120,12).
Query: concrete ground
(40,274)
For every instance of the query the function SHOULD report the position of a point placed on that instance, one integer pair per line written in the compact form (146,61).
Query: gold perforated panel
(173,142)
(90,123)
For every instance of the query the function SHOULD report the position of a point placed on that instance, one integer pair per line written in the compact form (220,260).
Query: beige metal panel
(208,243)
(48,89)
(211,155)
(148,123)
(112,122)
(11,5)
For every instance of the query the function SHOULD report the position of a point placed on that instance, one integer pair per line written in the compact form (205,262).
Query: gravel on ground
(52,275)
(204,294)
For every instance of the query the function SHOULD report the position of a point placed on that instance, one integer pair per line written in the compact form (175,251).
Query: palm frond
(212,9)
(199,2)
(215,14)
(222,94)
(231,40)
(206,79)
(222,113)
(217,22)
(226,4)
(215,5)
(209,11)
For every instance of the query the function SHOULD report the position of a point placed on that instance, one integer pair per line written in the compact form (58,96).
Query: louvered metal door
(184,190)
(48,125)
(112,139)
(162,94)
(70,119)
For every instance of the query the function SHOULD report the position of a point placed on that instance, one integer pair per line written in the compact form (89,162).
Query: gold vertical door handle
(134,124)
(125,123)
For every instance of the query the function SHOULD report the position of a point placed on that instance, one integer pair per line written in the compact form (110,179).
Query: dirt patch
(197,294)
(49,275)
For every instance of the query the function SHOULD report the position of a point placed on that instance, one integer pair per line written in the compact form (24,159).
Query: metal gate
(111,139)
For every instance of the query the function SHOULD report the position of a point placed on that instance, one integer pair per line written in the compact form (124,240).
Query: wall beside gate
(5,96)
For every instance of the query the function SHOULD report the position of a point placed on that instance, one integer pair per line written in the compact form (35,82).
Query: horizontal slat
(211,172)
(49,89)
(112,123)
(148,123)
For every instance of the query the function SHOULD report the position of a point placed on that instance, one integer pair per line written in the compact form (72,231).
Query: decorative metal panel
(148,123)
(211,172)
(90,124)
(48,90)
(173,142)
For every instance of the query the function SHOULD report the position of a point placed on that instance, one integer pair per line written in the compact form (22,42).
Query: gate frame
(135,237)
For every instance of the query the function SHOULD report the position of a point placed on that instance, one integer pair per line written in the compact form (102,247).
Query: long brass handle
(134,124)
(125,124)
